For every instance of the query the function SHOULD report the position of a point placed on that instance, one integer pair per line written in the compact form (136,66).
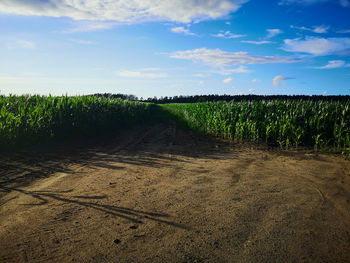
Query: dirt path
(161,194)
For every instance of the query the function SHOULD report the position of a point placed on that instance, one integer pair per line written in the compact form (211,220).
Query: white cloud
(228,80)
(142,74)
(240,69)
(273,32)
(335,64)
(182,30)
(262,42)
(89,26)
(316,29)
(124,11)
(24,44)
(270,34)
(317,46)
(220,58)
(255,80)
(201,82)
(228,35)
(251,90)
(320,29)
(223,71)
(324,93)
(278,80)
(228,23)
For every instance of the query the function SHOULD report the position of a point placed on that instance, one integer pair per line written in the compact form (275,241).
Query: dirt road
(162,194)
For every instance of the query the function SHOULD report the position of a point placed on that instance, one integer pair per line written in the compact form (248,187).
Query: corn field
(287,123)
(28,119)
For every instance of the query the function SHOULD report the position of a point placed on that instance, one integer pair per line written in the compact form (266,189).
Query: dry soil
(163,194)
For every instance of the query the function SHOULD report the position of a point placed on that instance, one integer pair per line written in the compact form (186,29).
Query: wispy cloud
(26,44)
(318,46)
(20,44)
(225,71)
(131,11)
(255,80)
(270,34)
(142,74)
(316,29)
(240,69)
(251,90)
(273,32)
(228,35)
(335,64)
(262,42)
(220,58)
(89,26)
(182,30)
(279,80)
(228,80)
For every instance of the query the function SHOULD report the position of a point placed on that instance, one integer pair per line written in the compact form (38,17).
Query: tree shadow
(156,146)
(131,215)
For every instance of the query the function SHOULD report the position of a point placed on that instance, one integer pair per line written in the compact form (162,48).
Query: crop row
(287,123)
(29,119)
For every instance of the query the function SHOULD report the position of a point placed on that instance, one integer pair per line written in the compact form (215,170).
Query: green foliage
(287,123)
(26,120)
(30,119)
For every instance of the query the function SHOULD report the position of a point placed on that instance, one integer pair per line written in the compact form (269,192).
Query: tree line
(216,97)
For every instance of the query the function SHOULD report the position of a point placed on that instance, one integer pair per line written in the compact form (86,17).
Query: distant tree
(215,97)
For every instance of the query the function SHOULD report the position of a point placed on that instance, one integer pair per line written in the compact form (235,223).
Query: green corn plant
(31,119)
(287,123)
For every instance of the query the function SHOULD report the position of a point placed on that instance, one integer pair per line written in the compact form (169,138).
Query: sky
(175,47)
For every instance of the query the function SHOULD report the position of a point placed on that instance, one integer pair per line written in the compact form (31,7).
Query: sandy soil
(162,194)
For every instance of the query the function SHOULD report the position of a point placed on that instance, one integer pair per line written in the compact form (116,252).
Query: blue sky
(175,47)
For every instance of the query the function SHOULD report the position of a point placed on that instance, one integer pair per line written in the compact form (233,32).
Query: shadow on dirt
(131,215)
(155,145)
